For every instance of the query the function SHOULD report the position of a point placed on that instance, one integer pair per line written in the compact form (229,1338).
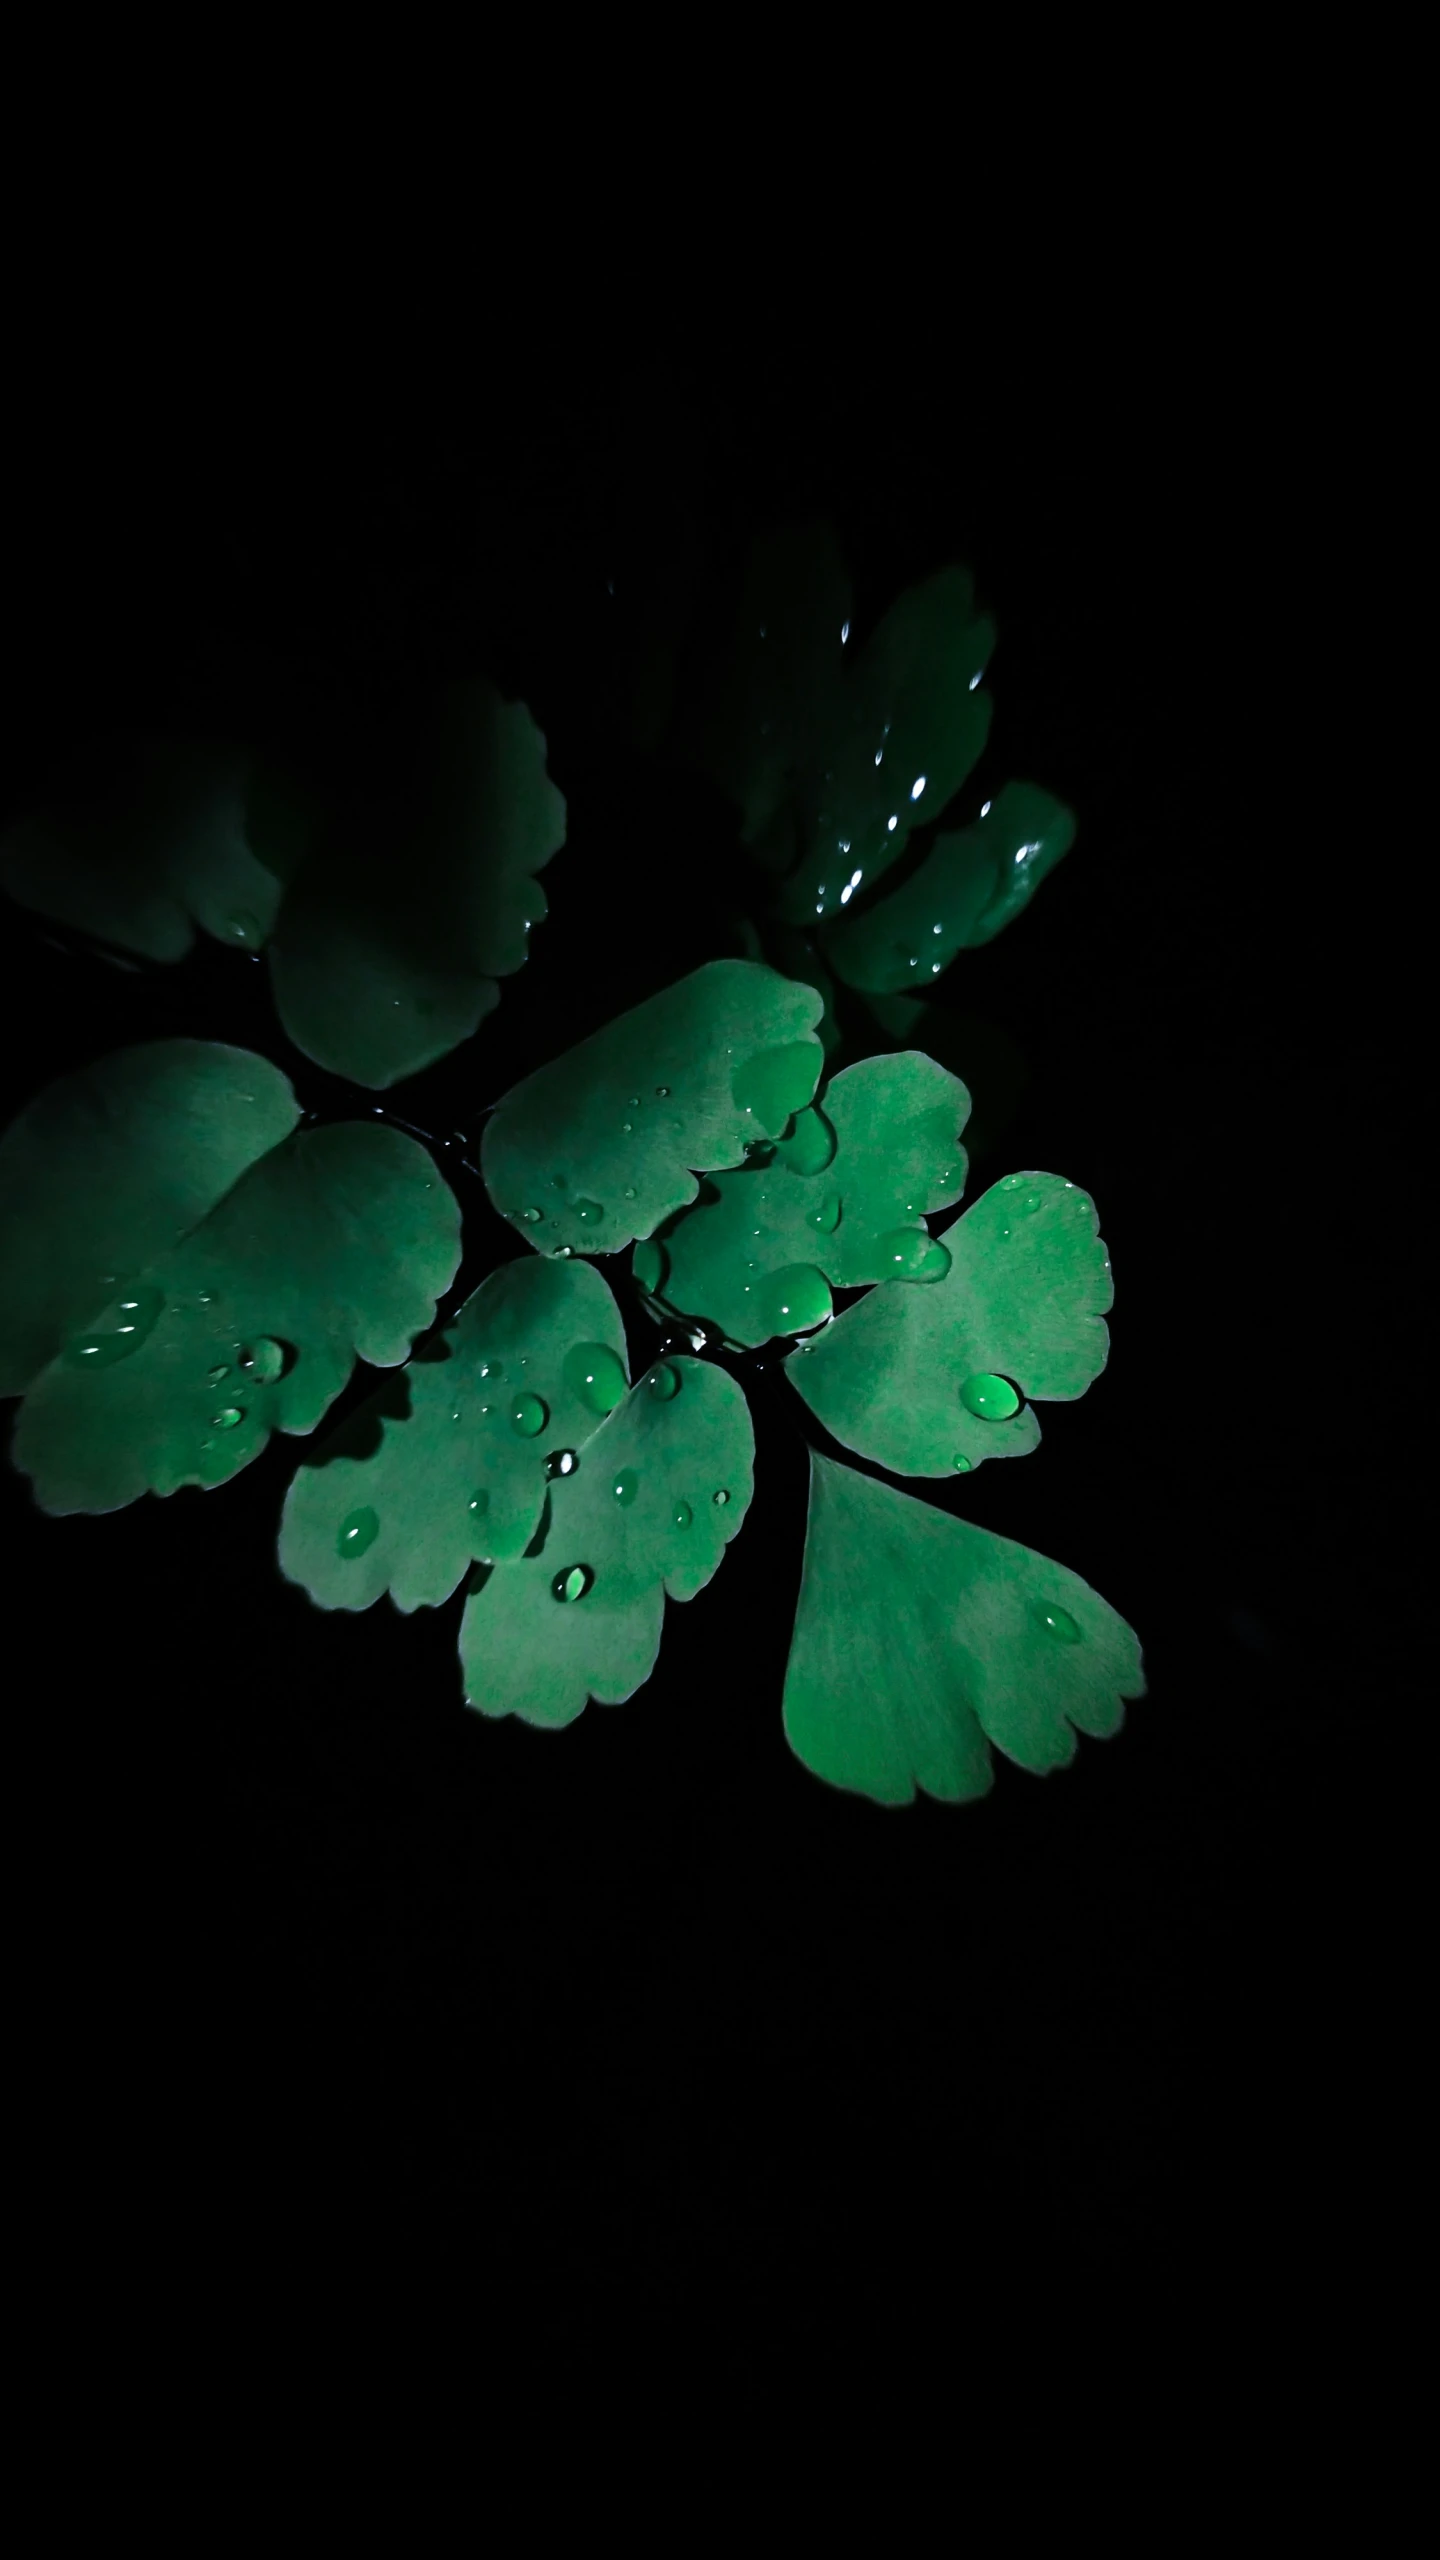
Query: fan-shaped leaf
(105,1171)
(922,1380)
(404,1500)
(143,839)
(969,886)
(920,1640)
(762,732)
(246,1319)
(660,1489)
(842,1200)
(596,1148)
(416,887)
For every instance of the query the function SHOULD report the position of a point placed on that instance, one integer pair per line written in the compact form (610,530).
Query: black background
(640,2017)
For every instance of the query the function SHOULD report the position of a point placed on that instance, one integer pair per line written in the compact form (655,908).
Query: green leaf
(901,1377)
(660,1489)
(143,840)
(596,1148)
(763,729)
(412,1488)
(106,1170)
(417,887)
(842,1199)
(336,1242)
(968,887)
(920,1640)
(906,729)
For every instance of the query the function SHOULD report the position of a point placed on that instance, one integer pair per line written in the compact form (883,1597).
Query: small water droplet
(533,1217)
(626,1486)
(682,1515)
(662,1092)
(214,1376)
(588,1212)
(1030,1203)
(479,1504)
(721,1497)
(358,1530)
(574,1584)
(243,926)
(120,1331)
(594,1374)
(627,1128)
(205,1299)
(912,1253)
(827,1216)
(454,1413)
(634,1101)
(561,1462)
(1012,1182)
(664,1382)
(227,1418)
(527,1416)
(629,1190)
(960,1464)
(490,1369)
(263,1360)
(992,1399)
(560,1253)
(1056,1621)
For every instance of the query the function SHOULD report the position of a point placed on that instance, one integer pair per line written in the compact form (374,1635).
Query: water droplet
(479,1505)
(214,1376)
(992,1399)
(126,1323)
(227,1418)
(634,1101)
(574,1584)
(533,1217)
(777,1082)
(827,1216)
(263,1360)
(454,1413)
(560,1253)
(792,1300)
(1012,1182)
(588,1211)
(205,1299)
(626,1486)
(720,1498)
(561,1462)
(243,926)
(960,1464)
(358,1530)
(912,1253)
(490,1369)
(527,1416)
(627,1128)
(664,1382)
(662,1092)
(810,1145)
(629,1190)
(1030,1203)
(1056,1621)
(682,1515)
(593,1373)
(648,1263)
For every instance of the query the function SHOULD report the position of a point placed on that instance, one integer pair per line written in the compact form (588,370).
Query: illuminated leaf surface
(921,1640)
(660,1489)
(969,885)
(596,1148)
(414,1486)
(335,1243)
(108,1169)
(901,1376)
(844,1197)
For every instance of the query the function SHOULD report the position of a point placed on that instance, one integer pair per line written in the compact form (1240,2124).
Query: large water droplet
(792,1300)
(1056,1621)
(912,1253)
(527,1416)
(992,1399)
(263,1360)
(811,1143)
(626,1486)
(574,1584)
(561,1462)
(126,1323)
(592,1372)
(664,1382)
(777,1082)
(358,1530)
(682,1515)
(827,1216)
(228,1416)
(589,1212)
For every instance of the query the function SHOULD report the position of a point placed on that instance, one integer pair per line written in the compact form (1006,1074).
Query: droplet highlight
(561,1462)
(358,1530)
